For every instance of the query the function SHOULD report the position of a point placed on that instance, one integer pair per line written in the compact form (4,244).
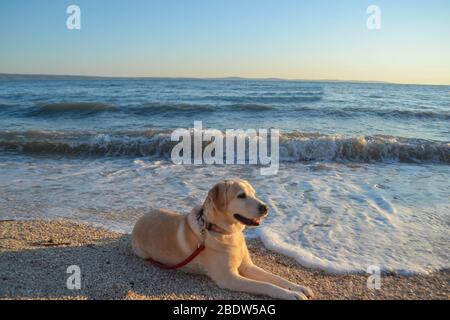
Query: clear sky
(294,39)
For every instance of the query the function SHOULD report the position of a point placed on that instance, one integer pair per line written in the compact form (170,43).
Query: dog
(214,231)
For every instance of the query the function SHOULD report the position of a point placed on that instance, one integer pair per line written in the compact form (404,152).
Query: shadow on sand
(109,270)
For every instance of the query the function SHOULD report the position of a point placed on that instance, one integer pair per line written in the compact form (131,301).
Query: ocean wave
(251,104)
(394,113)
(398,113)
(294,147)
(251,107)
(277,99)
(158,108)
(7,108)
(62,108)
(168,107)
(317,147)
(5,105)
(266,98)
(147,143)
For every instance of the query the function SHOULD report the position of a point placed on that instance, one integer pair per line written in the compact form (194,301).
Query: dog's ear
(248,185)
(218,196)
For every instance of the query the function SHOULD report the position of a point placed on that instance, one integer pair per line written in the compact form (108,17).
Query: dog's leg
(235,282)
(251,271)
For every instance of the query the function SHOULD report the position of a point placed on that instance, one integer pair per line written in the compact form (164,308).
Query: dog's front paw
(306,291)
(295,295)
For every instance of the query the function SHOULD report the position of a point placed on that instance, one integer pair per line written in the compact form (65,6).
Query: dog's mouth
(248,222)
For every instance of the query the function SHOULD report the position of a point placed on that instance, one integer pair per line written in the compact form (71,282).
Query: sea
(364,168)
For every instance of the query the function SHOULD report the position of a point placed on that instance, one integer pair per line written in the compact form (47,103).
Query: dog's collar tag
(207,226)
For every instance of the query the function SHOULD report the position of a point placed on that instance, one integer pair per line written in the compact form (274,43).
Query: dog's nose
(263,209)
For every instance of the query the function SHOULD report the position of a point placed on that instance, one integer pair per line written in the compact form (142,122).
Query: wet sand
(34,257)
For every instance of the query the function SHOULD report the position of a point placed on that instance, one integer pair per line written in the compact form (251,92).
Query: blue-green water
(363,176)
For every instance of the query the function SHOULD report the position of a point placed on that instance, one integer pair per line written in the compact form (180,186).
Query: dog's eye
(242,196)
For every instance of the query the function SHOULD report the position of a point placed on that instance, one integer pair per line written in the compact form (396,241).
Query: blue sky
(294,39)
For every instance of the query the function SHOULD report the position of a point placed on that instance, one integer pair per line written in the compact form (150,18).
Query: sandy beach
(34,256)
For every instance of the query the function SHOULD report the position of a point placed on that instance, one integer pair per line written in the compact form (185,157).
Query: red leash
(182,263)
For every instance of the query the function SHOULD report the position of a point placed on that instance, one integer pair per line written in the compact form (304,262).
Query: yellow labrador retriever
(168,238)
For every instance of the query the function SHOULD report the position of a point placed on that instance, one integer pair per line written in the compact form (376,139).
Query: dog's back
(161,235)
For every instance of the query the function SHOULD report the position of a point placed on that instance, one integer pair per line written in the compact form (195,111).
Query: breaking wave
(316,147)
(294,147)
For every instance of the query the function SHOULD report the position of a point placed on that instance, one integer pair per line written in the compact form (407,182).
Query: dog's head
(235,202)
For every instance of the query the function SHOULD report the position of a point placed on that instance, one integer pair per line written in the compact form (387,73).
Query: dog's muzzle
(253,222)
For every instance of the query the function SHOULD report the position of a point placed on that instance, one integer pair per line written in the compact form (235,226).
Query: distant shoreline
(19,76)
(95,77)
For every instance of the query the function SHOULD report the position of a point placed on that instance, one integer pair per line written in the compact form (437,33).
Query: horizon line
(104,77)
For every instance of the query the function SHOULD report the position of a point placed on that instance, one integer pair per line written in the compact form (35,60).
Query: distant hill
(13,76)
